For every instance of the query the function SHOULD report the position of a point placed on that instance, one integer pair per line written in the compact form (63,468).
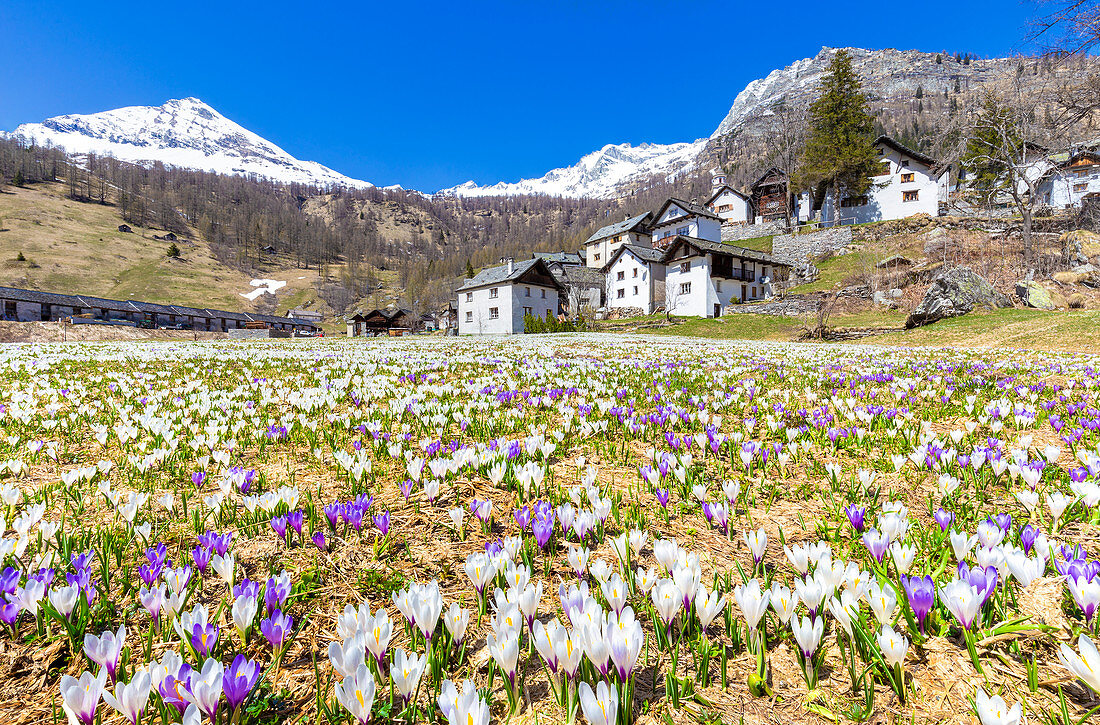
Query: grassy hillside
(73,247)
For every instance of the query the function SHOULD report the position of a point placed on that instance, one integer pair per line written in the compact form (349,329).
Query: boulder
(955,293)
(882,298)
(1090,274)
(1080,244)
(935,242)
(895,261)
(1077,301)
(125,228)
(1069,277)
(1035,295)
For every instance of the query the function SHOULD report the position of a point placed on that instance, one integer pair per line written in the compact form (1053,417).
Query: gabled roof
(560,257)
(581,277)
(500,275)
(690,207)
(773,170)
(723,189)
(705,245)
(635,223)
(905,150)
(646,254)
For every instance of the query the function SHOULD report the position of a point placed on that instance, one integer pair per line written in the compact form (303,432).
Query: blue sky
(430,94)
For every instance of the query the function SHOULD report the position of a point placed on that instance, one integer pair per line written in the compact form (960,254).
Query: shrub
(20,258)
(173,251)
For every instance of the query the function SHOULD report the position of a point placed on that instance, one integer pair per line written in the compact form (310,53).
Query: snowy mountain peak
(599,174)
(185,133)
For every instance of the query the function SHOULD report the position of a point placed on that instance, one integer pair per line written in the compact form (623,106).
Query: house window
(718,286)
(907,178)
(494,313)
(621,275)
(754,292)
(620,293)
(674,211)
(469,296)
(527,291)
(685,267)
(884,169)
(544,294)
(909,195)
(905,163)
(597,257)
(493,293)
(635,272)
(685,288)
(527,311)
(849,201)
(683,230)
(469,316)
(1080,187)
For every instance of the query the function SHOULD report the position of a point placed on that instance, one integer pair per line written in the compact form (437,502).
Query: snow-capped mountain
(599,174)
(185,133)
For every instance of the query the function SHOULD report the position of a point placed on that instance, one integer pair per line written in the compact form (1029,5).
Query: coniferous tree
(839,151)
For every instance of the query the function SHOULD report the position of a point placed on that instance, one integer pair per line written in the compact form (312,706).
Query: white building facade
(908,183)
(635,279)
(599,248)
(1065,186)
(686,219)
(731,206)
(496,300)
(702,278)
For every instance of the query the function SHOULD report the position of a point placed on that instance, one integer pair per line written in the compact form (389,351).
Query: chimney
(511,264)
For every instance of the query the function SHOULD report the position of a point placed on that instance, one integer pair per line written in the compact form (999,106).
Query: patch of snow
(263,286)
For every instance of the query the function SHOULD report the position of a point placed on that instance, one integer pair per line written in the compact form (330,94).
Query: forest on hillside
(347,235)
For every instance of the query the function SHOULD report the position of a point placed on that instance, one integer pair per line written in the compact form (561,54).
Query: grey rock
(894,261)
(1034,295)
(955,293)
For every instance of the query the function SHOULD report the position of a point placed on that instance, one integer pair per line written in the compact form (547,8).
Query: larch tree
(840,152)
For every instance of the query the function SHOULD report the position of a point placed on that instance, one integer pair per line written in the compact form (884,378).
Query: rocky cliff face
(889,76)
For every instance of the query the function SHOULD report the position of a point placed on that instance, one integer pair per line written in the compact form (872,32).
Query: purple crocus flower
(876,543)
(523,517)
(239,680)
(382,522)
(221,543)
(543,528)
(9,580)
(203,639)
(332,513)
(278,523)
(1028,535)
(174,690)
(319,539)
(247,588)
(275,594)
(984,580)
(155,554)
(277,628)
(407,488)
(922,595)
(206,540)
(353,515)
(295,519)
(201,555)
(149,573)
(662,497)
(856,516)
(9,613)
(944,518)
(198,478)
(84,559)
(1004,521)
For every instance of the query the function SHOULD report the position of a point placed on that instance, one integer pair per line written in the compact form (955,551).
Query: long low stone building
(23,305)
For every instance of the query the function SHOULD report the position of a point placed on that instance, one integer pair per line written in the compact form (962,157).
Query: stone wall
(737,233)
(789,307)
(799,248)
(260,334)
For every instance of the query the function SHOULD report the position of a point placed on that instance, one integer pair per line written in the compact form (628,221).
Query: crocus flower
(295,520)
(406,670)
(80,698)
(203,638)
(994,710)
(600,707)
(276,592)
(205,689)
(239,680)
(130,699)
(1086,666)
(106,649)
(278,524)
(856,516)
(277,628)
(319,539)
(876,543)
(921,594)
(382,522)
(356,693)
(944,518)
(963,600)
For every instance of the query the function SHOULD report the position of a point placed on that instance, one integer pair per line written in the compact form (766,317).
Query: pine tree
(469,269)
(840,151)
(18,179)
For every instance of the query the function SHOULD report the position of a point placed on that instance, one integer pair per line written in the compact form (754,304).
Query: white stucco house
(1066,184)
(677,217)
(703,276)
(730,205)
(600,246)
(496,299)
(635,278)
(908,183)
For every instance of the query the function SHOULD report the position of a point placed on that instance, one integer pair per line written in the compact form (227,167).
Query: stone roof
(705,245)
(500,274)
(612,230)
(690,207)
